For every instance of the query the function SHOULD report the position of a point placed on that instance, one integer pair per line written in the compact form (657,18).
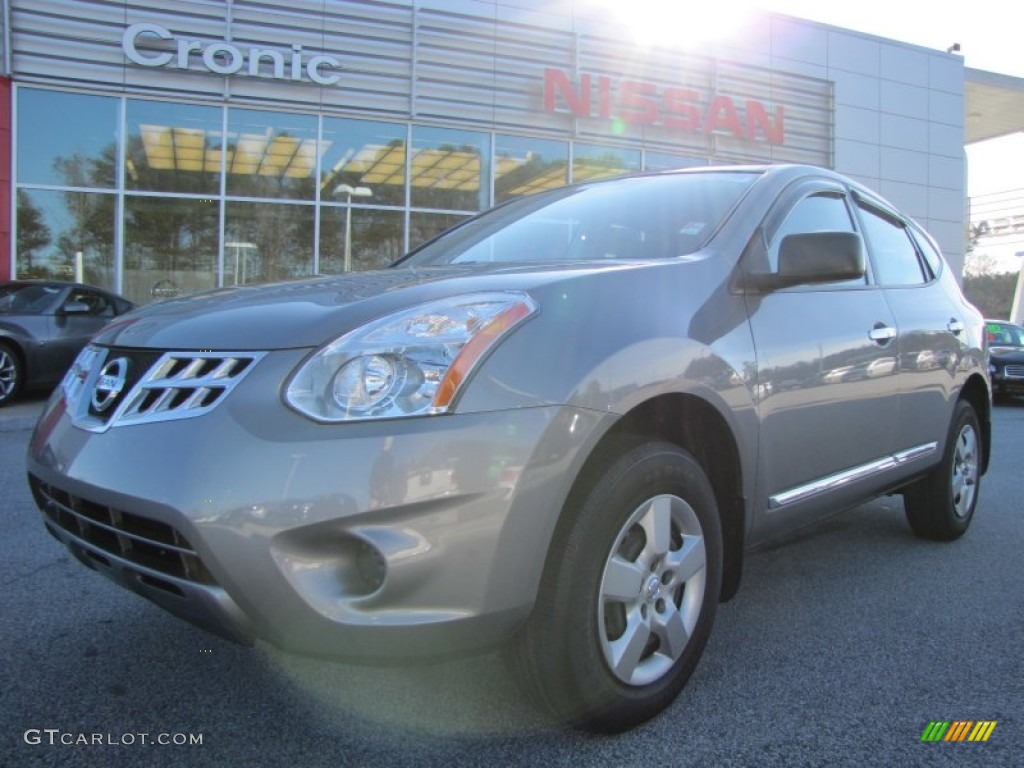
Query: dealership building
(174,145)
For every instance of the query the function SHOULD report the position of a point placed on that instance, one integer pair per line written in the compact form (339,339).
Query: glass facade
(157,198)
(170,244)
(523,166)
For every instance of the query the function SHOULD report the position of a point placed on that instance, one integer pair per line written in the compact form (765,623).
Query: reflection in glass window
(66,236)
(524,166)
(450,169)
(427,226)
(818,213)
(893,254)
(271,154)
(662,161)
(96,304)
(67,139)
(376,239)
(647,217)
(170,247)
(930,251)
(173,147)
(359,153)
(594,162)
(267,241)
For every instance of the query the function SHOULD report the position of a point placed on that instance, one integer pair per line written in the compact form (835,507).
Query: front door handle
(954,326)
(882,334)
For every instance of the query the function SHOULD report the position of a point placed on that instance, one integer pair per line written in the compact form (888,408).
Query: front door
(826,366)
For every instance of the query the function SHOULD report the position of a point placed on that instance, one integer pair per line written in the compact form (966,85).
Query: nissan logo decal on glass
(110,384)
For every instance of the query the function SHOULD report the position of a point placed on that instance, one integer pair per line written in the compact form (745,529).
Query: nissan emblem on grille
(110,384)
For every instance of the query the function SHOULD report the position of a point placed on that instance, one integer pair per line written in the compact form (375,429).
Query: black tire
(603,551)
(940,506)
(12,374)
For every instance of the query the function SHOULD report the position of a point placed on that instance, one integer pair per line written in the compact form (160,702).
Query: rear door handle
(882,334)
(954,326)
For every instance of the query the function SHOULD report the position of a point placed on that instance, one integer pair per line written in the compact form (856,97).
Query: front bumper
(370,541)
(1007,385)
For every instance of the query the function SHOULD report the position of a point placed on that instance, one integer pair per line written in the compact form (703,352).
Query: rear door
(931,331)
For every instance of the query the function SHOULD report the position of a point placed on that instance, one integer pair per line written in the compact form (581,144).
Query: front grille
(1014,371)
(118,386)
(183,384)
(141,541)
(137,362)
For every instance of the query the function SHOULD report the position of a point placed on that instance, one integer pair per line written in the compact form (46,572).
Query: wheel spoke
(8,374)
(671,631)
(688,561)
(657,524)
(967,445)
(627,650)
(965,471)
(623,580)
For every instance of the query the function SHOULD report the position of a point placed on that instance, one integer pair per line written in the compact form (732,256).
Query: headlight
(992,369)
(411,363)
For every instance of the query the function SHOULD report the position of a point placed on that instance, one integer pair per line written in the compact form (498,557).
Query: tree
(33,234)
(990,290)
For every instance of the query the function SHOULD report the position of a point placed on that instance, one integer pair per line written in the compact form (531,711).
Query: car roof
(59,284)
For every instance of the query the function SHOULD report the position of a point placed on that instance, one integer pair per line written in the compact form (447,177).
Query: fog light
(371,567)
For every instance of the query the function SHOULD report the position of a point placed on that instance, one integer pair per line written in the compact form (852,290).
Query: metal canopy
(993,105)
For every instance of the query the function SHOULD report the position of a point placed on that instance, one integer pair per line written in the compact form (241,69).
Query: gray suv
(555,428)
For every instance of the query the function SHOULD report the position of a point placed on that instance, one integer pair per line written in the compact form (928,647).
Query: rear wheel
(940,506)
(11,374)
(629,597)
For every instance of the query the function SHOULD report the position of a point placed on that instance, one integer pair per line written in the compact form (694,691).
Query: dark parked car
(558,426)
(1006,357)
(44,325)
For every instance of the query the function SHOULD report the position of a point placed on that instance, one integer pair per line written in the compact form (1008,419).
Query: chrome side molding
(838,480)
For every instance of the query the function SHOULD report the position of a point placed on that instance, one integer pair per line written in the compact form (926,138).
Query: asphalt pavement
(843,644)
(21,414)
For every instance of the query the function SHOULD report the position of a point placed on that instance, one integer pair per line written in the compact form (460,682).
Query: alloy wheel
(965,470)
(652,590)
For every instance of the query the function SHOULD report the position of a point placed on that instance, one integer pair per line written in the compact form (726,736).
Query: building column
(6,183)
(1017,313)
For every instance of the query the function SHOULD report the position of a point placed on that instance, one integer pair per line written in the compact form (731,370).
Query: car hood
(308,313)
(1007,354)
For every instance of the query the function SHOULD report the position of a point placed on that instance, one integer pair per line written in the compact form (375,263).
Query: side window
(817,213)
(99,305)
(895,257)
(823,212)
(932,257)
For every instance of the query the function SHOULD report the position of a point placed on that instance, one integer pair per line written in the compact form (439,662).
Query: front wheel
(630,592)
(940,506)
(11,374)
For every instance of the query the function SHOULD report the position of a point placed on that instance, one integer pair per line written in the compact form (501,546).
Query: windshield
(22,299)
(647,217)
(1005,335)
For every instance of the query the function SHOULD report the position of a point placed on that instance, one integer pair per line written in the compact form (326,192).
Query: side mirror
(815,257)
(74,308)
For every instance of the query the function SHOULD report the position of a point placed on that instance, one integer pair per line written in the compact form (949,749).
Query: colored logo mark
(958,730)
